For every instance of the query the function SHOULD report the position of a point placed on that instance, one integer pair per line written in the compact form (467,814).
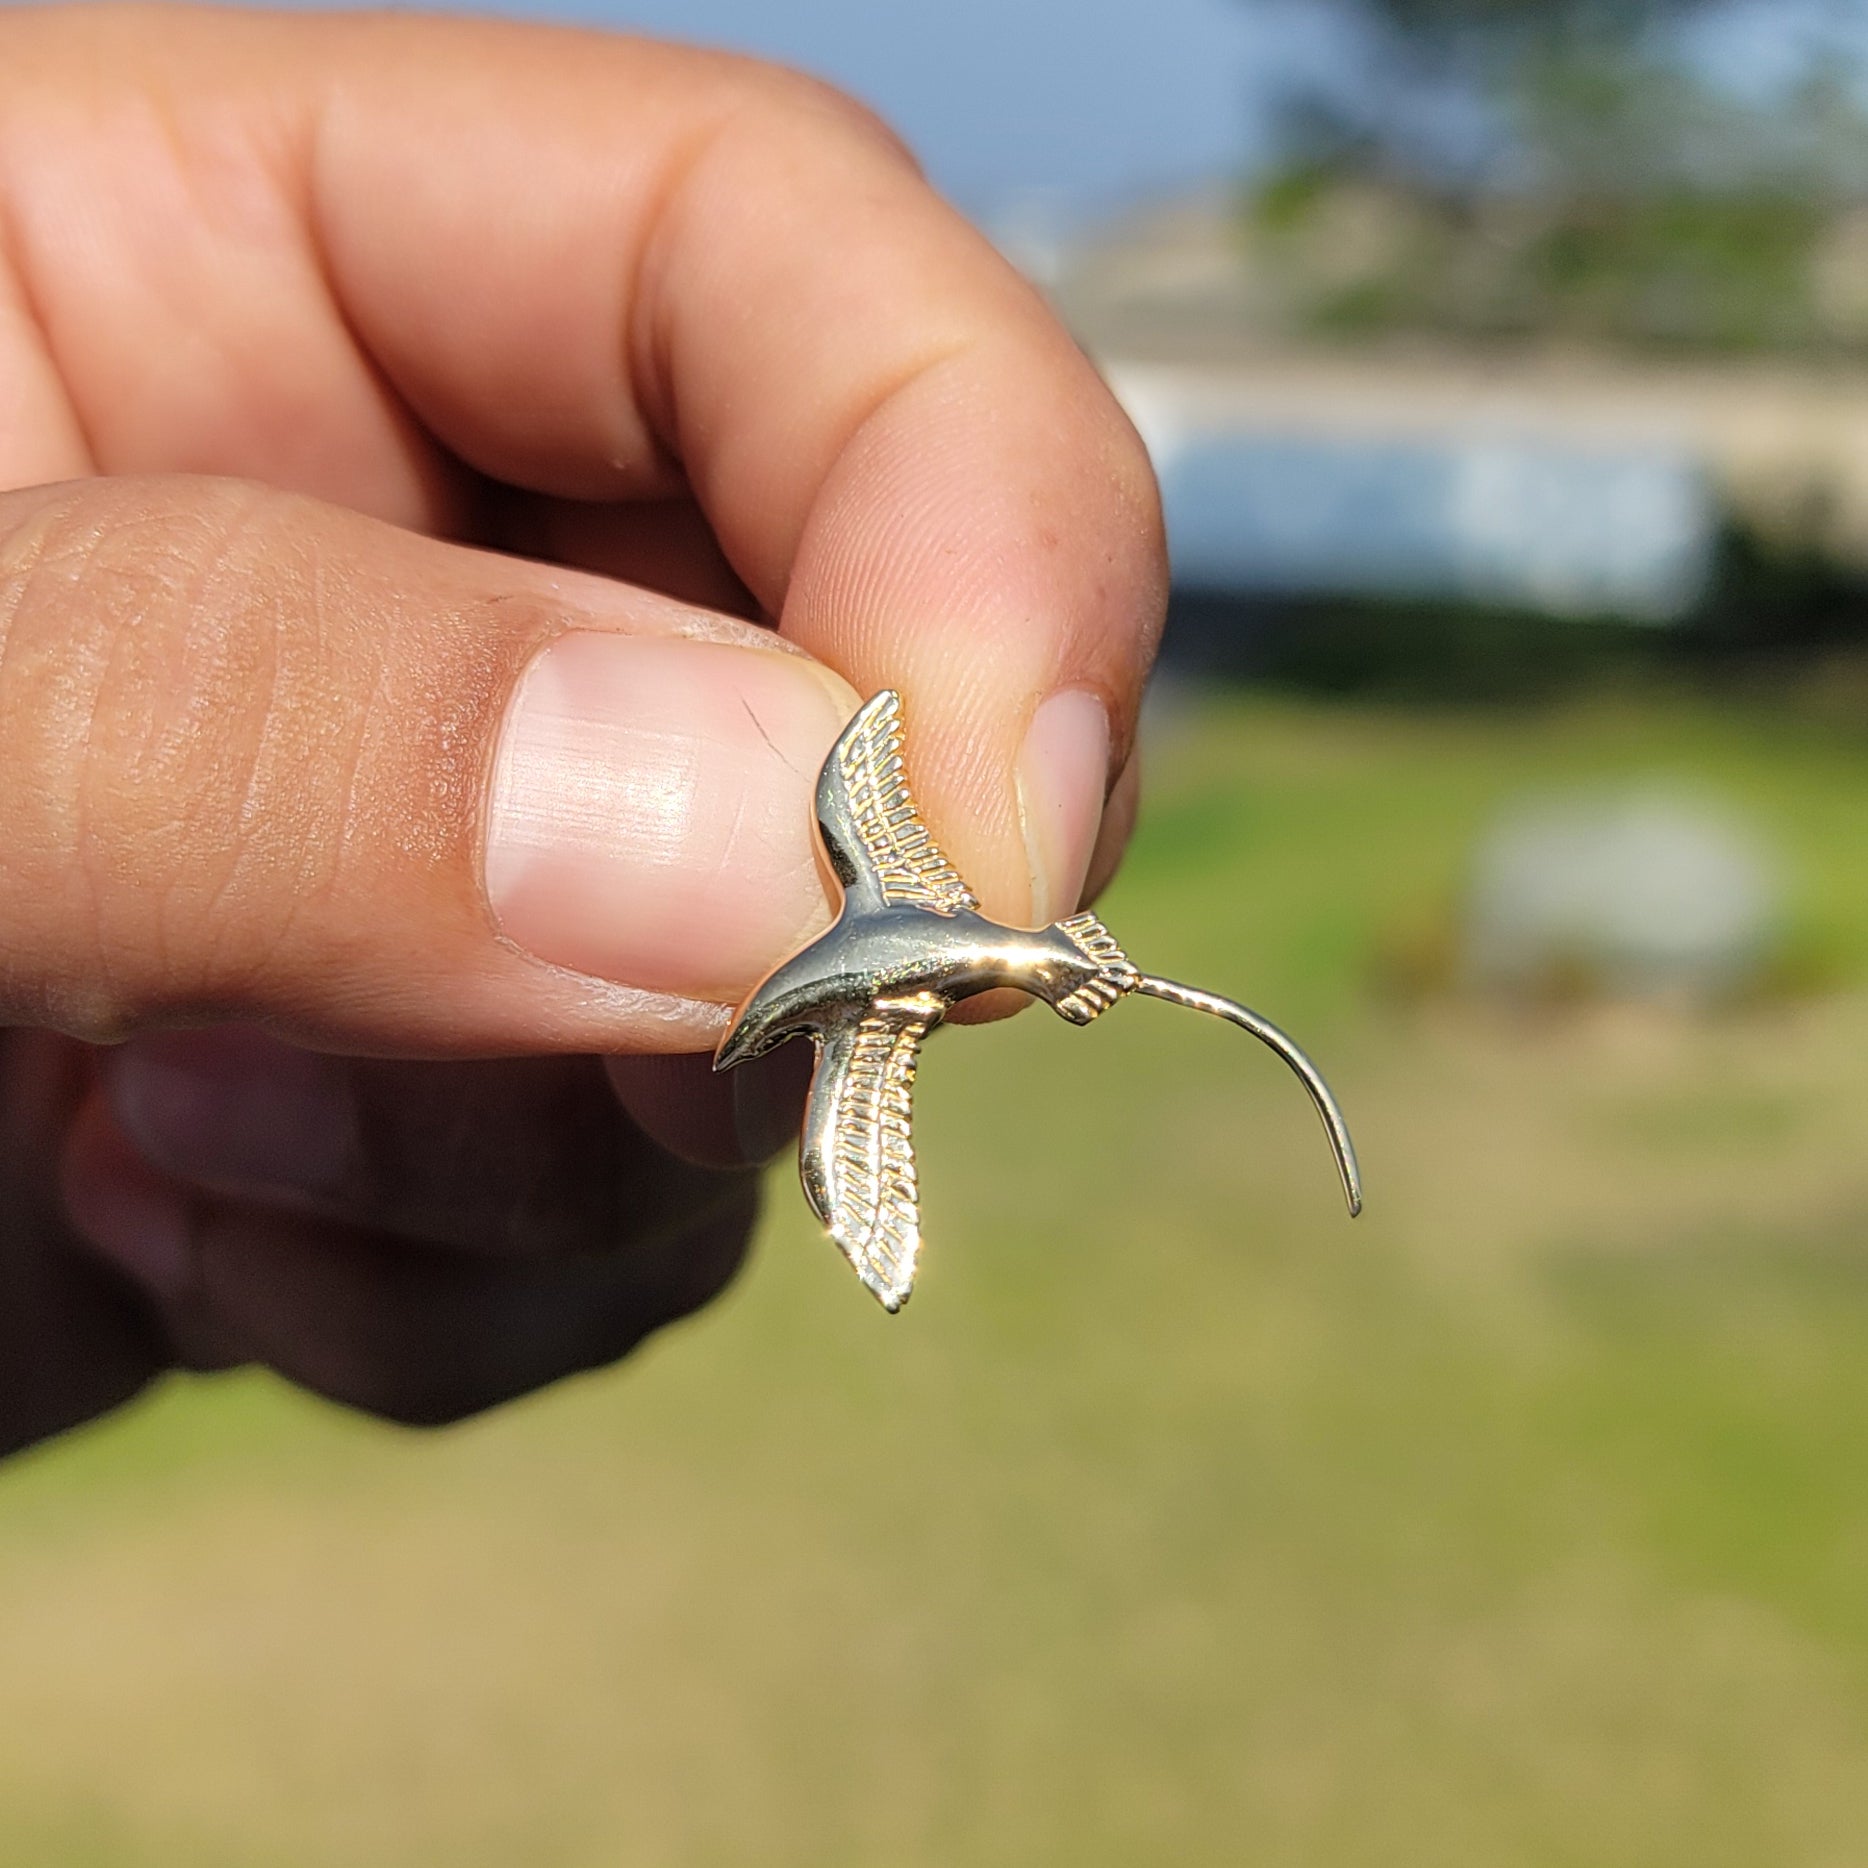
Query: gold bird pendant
(908,946)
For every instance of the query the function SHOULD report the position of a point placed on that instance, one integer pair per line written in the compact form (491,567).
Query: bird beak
(1307,1072)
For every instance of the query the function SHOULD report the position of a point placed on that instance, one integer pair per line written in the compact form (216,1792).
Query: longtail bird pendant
(908,946)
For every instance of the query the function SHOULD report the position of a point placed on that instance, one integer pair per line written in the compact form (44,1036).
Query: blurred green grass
(1178,1520)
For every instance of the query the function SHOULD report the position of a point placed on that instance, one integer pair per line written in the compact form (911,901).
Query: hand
(441,466)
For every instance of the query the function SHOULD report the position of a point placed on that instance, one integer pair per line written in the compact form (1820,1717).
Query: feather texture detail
(858,1157)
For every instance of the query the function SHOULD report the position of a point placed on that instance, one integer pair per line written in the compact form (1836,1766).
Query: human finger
(601,268)
(664,545)
(744,1116)
(517,1157)
(374,1320)
(77,1337)
(904,456)
(1118,826)
(272,762)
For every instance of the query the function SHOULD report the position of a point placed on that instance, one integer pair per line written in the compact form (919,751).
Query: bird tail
(1117,974)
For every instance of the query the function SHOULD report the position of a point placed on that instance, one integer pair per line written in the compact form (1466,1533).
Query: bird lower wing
(858,1159)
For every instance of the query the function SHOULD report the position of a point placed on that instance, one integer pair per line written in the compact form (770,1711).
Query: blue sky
(1089,103)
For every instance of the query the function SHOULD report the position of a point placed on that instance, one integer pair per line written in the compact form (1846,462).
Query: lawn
(1178,1520)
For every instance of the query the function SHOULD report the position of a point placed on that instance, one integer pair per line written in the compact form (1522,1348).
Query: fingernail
(1063,773)
(651,812)
(236,1110)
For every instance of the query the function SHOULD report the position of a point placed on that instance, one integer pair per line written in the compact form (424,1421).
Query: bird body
(908,945)
(895,950)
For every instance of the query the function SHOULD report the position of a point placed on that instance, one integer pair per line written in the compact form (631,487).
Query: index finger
(590,265)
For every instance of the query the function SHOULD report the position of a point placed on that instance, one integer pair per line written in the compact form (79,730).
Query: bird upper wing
(857,1158)
(878,845)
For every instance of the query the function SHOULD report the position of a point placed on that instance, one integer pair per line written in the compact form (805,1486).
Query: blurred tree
(1562,168)
(1463,18)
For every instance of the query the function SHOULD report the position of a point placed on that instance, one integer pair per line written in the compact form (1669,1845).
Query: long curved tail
(1308,1074)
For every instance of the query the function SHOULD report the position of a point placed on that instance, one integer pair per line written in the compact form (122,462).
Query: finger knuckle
(423,1356)
(792,101)
(439,1382)
(432,1399)
(469,1344)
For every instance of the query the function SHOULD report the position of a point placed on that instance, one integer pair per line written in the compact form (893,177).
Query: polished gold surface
(909,945)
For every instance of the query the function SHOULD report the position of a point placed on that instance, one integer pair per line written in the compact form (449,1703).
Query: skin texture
(346,364)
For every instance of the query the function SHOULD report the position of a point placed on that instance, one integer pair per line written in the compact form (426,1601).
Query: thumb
(268,759)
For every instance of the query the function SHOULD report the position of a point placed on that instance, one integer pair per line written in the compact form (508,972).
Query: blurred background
(1506,366)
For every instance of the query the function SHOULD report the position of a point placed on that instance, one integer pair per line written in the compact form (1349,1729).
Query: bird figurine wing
(857,1158)
(877,843)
